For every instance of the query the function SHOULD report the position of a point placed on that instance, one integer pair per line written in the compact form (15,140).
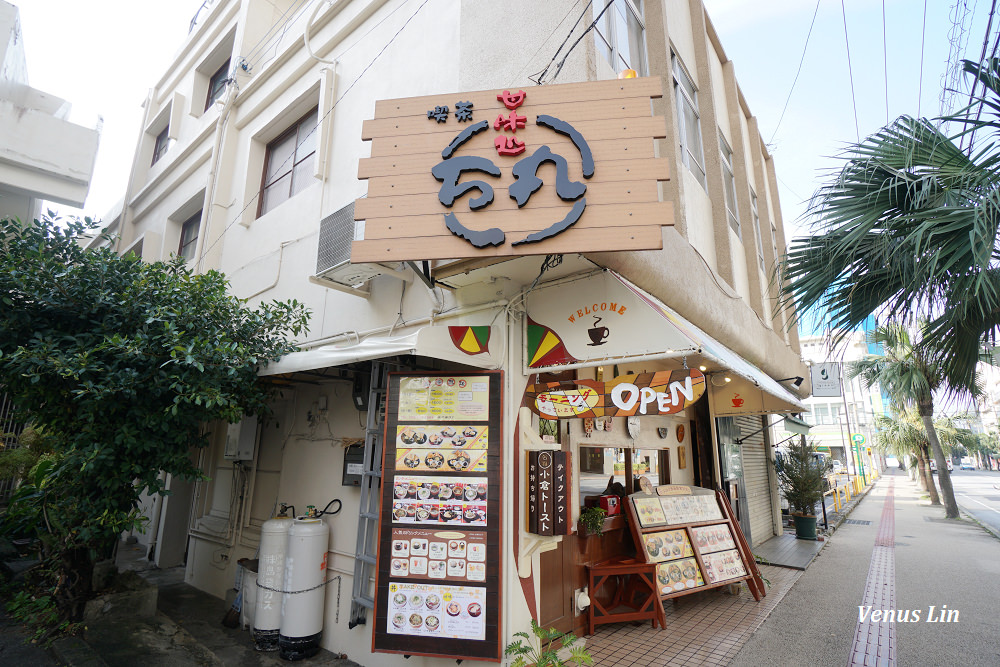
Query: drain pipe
(213,179)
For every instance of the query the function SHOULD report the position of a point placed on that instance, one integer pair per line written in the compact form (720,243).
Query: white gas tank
(270,582)
(304,598)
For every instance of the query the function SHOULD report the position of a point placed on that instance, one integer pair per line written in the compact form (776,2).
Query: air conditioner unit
(333,261)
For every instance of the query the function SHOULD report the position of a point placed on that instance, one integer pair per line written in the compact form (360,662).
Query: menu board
(443,398)
(666,545)
(439,570)
(690,509)
(678,575)
(691,536)
(723,565)
(434,610)
(713,538)
(449,555)
(650,511)
(440,499)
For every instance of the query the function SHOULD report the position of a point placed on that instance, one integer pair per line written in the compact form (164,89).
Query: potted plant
(542,650)
(802,474)
(592,519)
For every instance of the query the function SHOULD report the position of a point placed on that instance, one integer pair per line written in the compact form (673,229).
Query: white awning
(605,319)
(478,346)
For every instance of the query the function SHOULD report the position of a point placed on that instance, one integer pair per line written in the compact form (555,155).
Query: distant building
(43,156)
(837,420)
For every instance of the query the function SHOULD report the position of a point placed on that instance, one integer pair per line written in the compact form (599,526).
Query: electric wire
(278,29)
(850,72)
(582,35)
(920,81)
(537,77)
(319,121)
(797,73)
(885,65)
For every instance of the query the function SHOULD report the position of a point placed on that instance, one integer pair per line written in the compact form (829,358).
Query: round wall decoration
(680,433)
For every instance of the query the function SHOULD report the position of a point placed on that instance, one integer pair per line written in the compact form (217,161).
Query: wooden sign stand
(694,540)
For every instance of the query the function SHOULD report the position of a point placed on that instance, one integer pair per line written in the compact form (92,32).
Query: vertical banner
(439,571)
(561,485)
(549,484)
(825,379)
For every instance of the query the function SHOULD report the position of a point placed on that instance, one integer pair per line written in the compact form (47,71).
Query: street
(977,493)
(898,555)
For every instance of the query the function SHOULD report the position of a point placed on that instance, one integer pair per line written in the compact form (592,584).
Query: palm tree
(911,376)
(907,229)
(903,436)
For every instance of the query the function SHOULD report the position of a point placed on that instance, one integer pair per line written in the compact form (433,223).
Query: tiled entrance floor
(706,628)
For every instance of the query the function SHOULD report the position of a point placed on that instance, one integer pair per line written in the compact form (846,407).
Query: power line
(797,72)
(885,67)
(920,82)
(850,72)
(310,133)
(540,75)
(582,35)
(278,28)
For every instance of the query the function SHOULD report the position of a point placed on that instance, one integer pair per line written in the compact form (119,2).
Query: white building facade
(249,163)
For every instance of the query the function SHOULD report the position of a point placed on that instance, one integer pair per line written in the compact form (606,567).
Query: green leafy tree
(902,436)
(911,375)
(907,229)
(122,363)
(802,477)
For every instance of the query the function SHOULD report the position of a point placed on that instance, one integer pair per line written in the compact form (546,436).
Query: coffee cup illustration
(597,334)
(737,401)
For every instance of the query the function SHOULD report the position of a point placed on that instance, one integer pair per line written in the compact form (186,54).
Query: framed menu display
(692,536)
(439,579)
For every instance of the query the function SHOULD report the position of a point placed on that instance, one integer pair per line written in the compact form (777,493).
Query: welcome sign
(509,172)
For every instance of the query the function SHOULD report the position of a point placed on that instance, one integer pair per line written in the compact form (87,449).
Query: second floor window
(160,147)
(729,185)
(189,236)
(756,229)
(217,84)
(688,122)
(619,35)
(288,164)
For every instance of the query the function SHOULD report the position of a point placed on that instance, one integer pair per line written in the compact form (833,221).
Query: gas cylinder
(304,598)
(270,581)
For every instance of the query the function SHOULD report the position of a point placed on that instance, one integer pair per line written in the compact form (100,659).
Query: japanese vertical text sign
(439,582)
(549,485)
(554,169)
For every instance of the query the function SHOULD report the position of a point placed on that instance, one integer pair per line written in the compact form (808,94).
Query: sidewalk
(897,553)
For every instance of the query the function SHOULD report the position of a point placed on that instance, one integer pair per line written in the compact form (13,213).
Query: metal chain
(306,590)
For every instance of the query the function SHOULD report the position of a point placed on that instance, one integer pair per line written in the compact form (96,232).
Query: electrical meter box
(240,439)
(354,459)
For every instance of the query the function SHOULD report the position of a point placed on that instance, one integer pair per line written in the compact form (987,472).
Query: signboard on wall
(555,169)
(825,379)
(549,492)
(660,393)
(439,573)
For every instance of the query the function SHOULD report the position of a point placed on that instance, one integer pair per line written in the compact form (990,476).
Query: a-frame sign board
(692,536)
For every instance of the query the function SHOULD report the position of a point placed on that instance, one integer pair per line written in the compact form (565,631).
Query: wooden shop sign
(660,393)
(554,169)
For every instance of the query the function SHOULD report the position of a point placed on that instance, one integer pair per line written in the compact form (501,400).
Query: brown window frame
(216,84)
(292,131)
(160,145)
(193,222)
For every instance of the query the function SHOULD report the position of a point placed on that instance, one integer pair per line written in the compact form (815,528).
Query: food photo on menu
(678,575)
(454,612)
(438,554)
